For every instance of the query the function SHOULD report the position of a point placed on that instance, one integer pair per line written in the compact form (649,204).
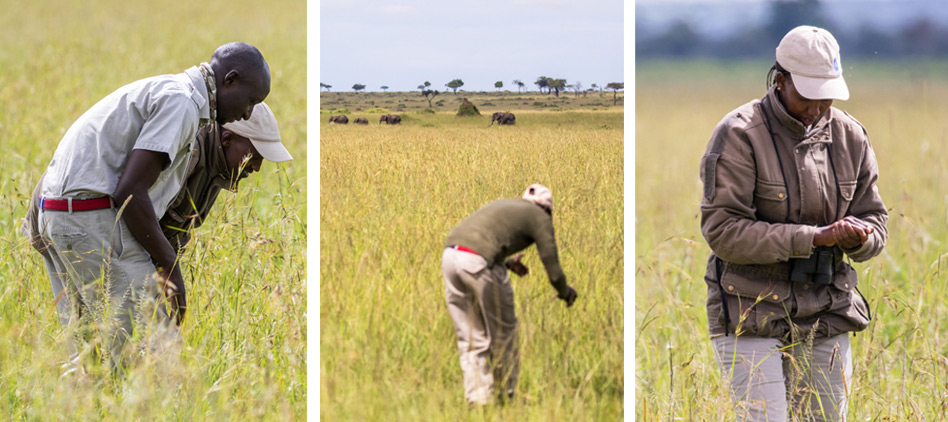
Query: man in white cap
(221,158)
(478,292)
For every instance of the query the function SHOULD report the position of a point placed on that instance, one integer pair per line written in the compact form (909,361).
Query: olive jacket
(768,184)
(207,175)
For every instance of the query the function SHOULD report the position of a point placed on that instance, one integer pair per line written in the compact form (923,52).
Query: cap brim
(821,88)
(272,151)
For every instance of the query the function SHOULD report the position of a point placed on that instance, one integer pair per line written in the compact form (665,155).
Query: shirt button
(730,288)
(797,150)
(776,297)
(780,195)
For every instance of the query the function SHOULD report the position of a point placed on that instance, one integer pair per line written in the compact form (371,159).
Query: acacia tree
(519,84)
(498,85)
(454,85)
(597,87)
(576,87)
(358,87)
(615,87)
(429,94)
(384,88)
(556,85)
(543,82)
(326,87)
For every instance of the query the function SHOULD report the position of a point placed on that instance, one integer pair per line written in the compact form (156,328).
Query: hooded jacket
(769,182)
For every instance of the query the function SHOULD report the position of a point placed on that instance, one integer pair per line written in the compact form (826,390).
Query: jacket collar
(781,121)
(216,161)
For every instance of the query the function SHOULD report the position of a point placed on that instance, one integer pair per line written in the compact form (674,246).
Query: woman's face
(798,106)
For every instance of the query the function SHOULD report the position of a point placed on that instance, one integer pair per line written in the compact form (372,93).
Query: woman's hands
(848,233)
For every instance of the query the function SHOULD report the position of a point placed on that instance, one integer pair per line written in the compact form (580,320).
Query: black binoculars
(819,265)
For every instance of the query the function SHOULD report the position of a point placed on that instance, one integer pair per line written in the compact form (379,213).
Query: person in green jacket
(478,291)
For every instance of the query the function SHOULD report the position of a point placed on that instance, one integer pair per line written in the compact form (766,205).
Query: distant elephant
(392,119)
(339,119)
(503,118)
(361,121)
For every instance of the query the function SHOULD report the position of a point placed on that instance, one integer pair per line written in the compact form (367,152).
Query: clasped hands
(848,233)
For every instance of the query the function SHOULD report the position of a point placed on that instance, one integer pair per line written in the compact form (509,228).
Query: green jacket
(505,227)
(207,175)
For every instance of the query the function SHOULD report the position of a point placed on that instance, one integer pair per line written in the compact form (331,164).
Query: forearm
(746,241)
(139,216)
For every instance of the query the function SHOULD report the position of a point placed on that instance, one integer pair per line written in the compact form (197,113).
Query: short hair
(243,57)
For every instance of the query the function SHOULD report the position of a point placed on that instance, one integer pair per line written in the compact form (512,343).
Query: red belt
(463,249)
(71,204)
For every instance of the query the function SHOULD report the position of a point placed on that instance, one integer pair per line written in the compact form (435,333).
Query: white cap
(262,131)
(540,195)
(811,55)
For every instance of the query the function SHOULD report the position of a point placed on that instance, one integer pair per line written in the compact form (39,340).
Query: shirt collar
(200,94)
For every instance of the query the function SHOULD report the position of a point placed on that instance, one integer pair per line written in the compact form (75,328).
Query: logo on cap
(836,64)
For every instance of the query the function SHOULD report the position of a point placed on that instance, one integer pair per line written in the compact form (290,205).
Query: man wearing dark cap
(478,291)
(115,170)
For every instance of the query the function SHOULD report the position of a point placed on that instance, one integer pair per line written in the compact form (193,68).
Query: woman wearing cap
(790,193)
(222,156)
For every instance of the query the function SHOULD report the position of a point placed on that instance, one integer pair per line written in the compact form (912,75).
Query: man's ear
(231,78)
(226,138)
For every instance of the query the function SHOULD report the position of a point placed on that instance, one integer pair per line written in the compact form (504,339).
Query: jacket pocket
(756,302)
(847,189)
(770,199)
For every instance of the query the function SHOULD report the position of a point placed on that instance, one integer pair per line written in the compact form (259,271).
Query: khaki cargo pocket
(756,302)
(847,301)
(770,200)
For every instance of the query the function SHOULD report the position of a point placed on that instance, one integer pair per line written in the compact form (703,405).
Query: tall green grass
(245,334)
(900,360)
(389,195)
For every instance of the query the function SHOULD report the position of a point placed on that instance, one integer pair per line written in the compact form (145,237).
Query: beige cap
(540,195)
(811,55)
(262,131)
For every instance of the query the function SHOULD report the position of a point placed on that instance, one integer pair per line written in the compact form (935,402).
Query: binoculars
(819,265)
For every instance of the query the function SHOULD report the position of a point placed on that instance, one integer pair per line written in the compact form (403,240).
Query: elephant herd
(392,119)
(502,118)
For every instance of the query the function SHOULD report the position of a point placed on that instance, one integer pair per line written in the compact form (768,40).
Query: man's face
(799,107)
(241,157)
(237,96)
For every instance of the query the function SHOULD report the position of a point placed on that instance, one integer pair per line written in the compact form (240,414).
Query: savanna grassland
(900,363)
(389,195)
(245,333)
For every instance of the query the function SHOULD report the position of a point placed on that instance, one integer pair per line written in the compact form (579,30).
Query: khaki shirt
(161,114)
(764,196)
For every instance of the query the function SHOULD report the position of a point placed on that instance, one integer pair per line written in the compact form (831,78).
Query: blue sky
(403,43)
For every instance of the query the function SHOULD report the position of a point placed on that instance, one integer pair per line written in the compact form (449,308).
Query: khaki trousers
(481,303)
(101,274)
(772,381)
